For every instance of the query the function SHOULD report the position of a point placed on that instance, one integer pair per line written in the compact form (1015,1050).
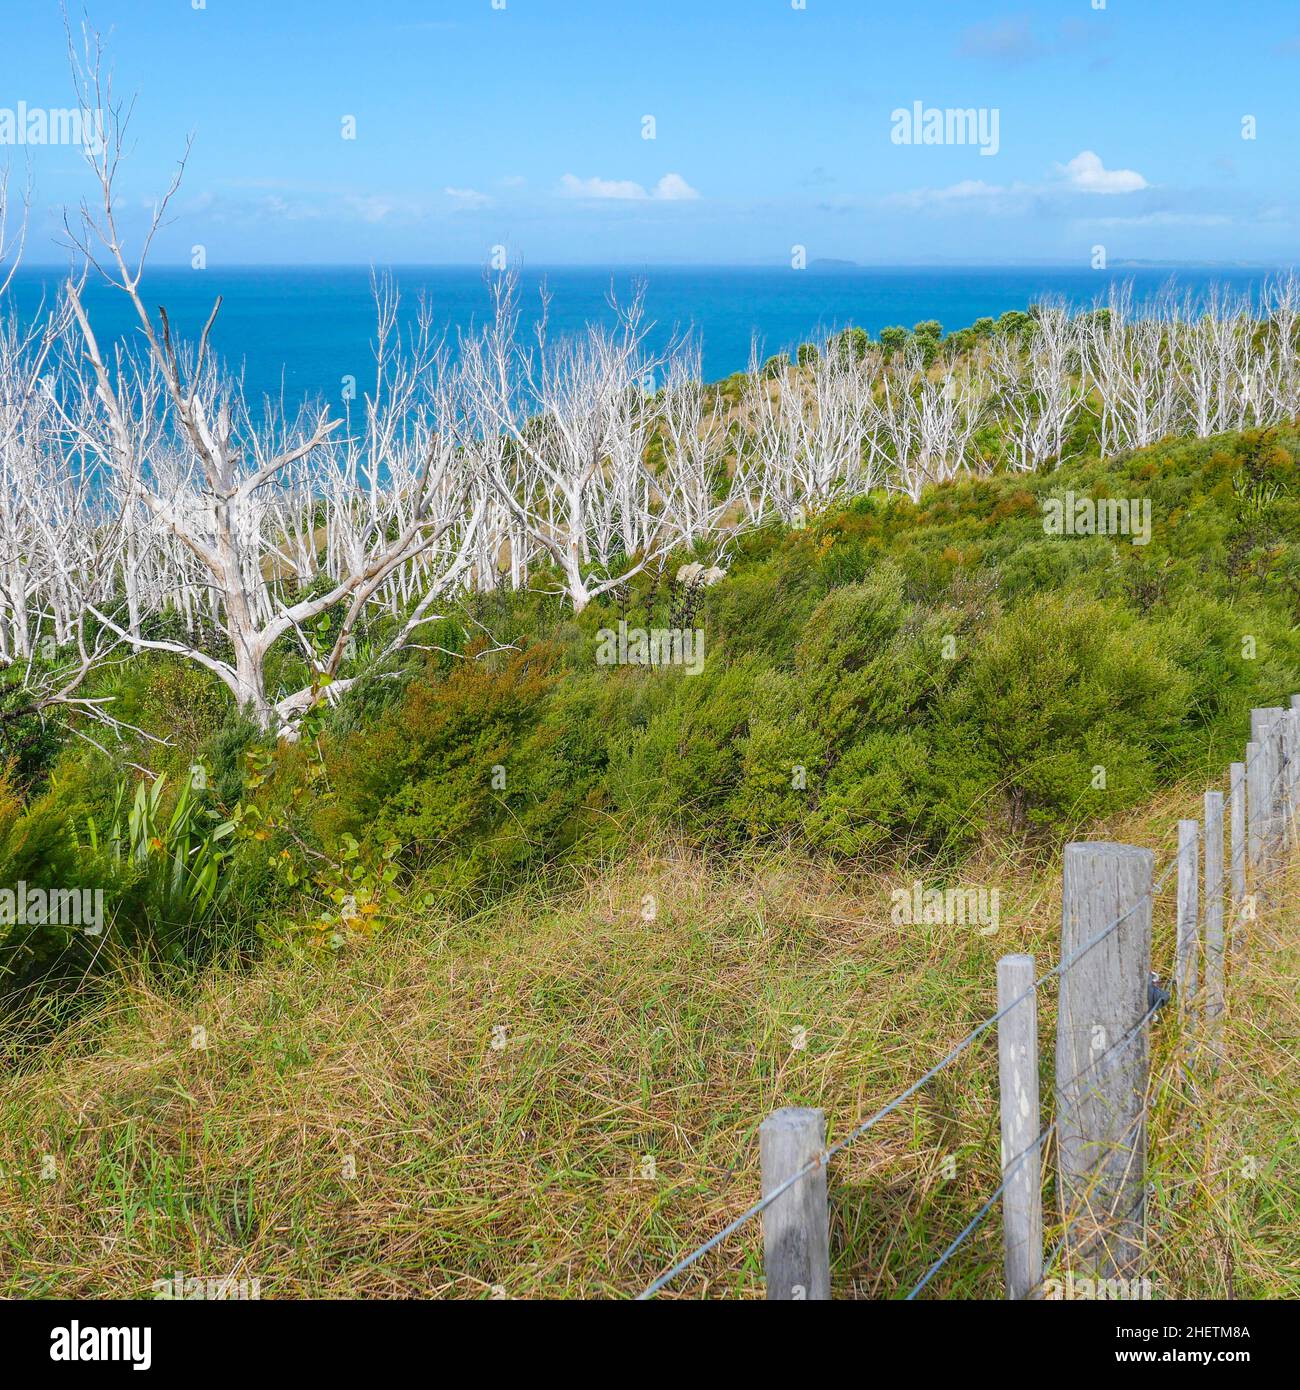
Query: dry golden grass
(614,1124)
(1226,1135)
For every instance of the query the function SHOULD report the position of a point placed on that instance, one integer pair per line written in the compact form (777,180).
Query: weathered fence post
(1265,732)
(1290,782)
(1213,915)
(1101,1052)
(1022,1198)
(1277,740)
(796,1227)
(1256,808)
(1295,775)
(1237,856)
(1187,951)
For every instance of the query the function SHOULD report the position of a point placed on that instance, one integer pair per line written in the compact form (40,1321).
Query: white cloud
(1088,174)
(968,193)
(966,189)
(1085,173)
(295,209)
(309,204)
(672,188)
(468,198)
(370,208)
(574,187)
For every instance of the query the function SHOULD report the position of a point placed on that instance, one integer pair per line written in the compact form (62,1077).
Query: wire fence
(1273,817)
(898,1101)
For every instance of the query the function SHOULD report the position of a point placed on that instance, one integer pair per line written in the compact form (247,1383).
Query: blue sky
(523,126)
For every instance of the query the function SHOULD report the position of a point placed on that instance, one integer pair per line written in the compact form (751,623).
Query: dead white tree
(927,420)
(26,429)
(560,425)
(1212,351)
(831,406)
(1037,388)
(12,239)
(405,494)
(220,488)
(1275,351)
(1129,364)
(624,514)
(59,536)
(811,432)
(696,491)
(768,439)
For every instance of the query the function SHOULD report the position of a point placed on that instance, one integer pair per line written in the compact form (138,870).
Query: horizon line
(821,263)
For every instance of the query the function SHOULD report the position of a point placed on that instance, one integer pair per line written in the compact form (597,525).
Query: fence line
(824,1157)
(1264,805)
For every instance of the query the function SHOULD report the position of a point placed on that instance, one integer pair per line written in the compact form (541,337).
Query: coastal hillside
(1009,659)
(480,985)
(627,683)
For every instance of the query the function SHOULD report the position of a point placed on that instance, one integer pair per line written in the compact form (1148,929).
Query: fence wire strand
(1007,1175)
(823,1158)
(888,1109)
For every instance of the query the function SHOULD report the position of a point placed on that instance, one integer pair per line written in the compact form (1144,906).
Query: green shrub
(1072,703)
(896,677)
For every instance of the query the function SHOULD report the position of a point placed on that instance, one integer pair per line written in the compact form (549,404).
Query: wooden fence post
(1187,951)
(1256,811)
(1213,914)
(1277,738)
(1295,773)
(796,1227)
(1237,855)
(1101,1052)
(1290,784)
(1022,1198)
(1265,732)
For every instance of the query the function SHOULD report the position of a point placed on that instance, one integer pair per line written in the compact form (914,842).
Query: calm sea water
(302,330)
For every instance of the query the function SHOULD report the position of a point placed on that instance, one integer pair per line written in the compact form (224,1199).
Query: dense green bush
(896,677)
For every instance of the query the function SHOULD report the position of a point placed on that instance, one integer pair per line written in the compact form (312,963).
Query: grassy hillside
(487,982)
(558,1098)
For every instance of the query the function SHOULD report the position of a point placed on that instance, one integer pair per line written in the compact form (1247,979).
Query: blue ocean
(299,331)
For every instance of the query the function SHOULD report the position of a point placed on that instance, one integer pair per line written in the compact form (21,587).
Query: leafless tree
(58,535)
(928,420)
(1037,387)
(1129,363)
(560,425)
(223,485)
(698,496)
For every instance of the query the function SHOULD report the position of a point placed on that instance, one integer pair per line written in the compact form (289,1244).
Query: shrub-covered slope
(894,680)
(891,679)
